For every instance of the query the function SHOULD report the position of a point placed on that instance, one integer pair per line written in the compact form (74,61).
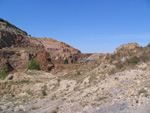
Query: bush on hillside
(65,61)
(33,65)
(119,65)
(3,73)
(2,20)
(144,58)
(134,60)
(129,62)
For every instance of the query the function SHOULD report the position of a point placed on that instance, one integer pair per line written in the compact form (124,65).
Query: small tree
(33,65)
(134,60)
(3,73)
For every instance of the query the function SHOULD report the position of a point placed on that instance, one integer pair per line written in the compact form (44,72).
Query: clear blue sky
(89,25)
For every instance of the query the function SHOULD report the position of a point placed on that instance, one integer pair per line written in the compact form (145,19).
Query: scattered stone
(11,77)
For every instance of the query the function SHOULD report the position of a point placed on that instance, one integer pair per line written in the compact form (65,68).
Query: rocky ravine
(101,83)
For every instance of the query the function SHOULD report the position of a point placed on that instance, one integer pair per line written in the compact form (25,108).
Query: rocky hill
(126,48)
(17,48)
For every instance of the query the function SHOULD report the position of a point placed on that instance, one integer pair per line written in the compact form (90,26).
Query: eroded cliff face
(13,40)
(6,26)
(45,61)
(17,48)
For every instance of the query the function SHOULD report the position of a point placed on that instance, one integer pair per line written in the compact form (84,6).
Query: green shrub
(54,111)
(78,73)
(142,91)
(65,61)
(101,98)
(119,65)
(33,65)
(44,88)
(144,58)
(2,20)
(134,60)
(3,73)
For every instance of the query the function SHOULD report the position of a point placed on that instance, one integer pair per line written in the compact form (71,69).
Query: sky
(92,26)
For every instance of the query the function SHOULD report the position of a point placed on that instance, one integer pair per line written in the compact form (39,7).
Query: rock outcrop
(125,48)
(17,48)
(13,40)
(6,26)
(44,60)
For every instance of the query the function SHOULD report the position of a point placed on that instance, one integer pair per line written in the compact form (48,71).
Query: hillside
(17,48)
(92,88)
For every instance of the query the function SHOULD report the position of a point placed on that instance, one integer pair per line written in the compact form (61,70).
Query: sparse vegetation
(116,78)
(142,91)
(101,98)
(3,73)
(78,73)
(144,58)
(33,65)
(65,61)
(119,65)
(133,60)
(129,62)
(16,82)
(55,110)
(44,88)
